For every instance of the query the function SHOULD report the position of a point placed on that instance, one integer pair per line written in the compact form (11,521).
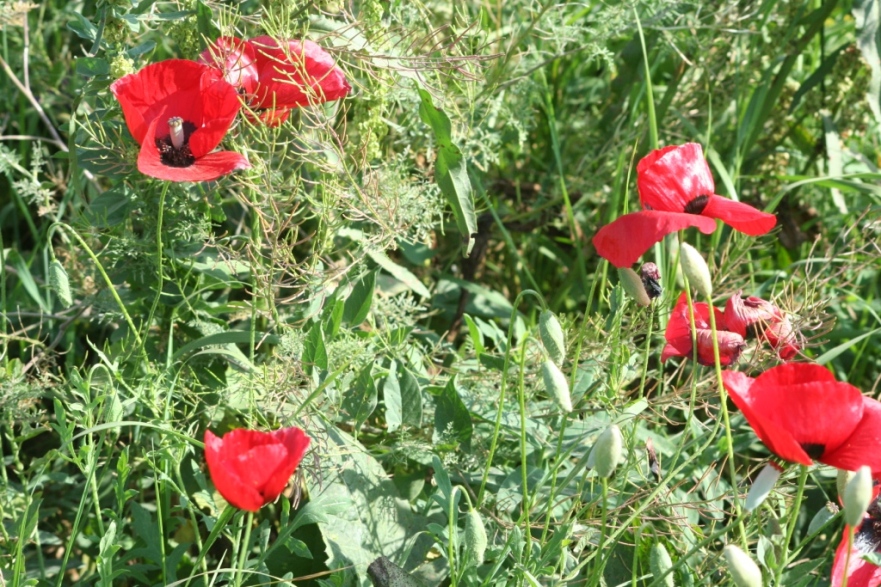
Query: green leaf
(314,350)
(110,208)
(867,14)
(360,401)
(82,27)
(451,172)
(391,393)
(359,301)
(205,22)
(92,66)
(365,516)
(452,420)
(833,353)
(411,398)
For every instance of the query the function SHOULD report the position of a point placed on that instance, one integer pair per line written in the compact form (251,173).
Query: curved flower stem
(504,386)
(524,471)
(159,255)
(729,441)
(793,519)
(647,351)
(243,549)
(552,495)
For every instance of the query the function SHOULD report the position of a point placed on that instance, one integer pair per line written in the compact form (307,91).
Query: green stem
(243,549)
(793,520)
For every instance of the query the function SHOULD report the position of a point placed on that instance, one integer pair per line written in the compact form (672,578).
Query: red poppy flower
(755,316)
(678,335)
(676,190)
(276,76)
(179,111)
(802,413)
(866,540)
(251,468)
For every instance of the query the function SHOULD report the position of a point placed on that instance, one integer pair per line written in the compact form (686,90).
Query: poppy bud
(857,496)
(608,451)
(762,486)
(660,563)
(552,336)
(695,268)
(59,283)
(475,537)
(556,384)
(634,286)
(744,571)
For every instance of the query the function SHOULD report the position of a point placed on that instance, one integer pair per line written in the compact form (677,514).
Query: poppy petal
(226,477)
(235,58)
(173,85)
(207,168)
(860,572)
(861,447)
(295,442)
(221,104)
(778,441)
(669,178)
(624,241)
(739,216)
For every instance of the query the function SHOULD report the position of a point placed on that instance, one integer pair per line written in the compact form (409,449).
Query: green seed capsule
(556,385)
(475,537)
(660,562)
(743,569)
(552,336)
(59,283)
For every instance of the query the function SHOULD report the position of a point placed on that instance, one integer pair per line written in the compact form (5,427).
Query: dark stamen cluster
(815,451)
(172,157)
(697,205)
(868,538)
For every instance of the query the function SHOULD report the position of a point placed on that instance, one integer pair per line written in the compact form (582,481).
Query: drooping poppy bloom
(678,335)
(179,111)
(676,191)
(866,540)
(276,76)
(803,414)
(753,316)
(251,468)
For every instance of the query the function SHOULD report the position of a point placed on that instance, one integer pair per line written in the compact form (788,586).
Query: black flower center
(177,156)
(697,205)
(868,537)
(815,451)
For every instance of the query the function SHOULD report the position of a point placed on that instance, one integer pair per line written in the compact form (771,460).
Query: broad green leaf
(400,273)
(451,172)
(411,398)
(205,22)
(833,154)
(110,208)
(360,401)
(867,14)
(314,350)
(364,516)
(391,393)
(92,66)
(833,353)
(359,301)
(452,420)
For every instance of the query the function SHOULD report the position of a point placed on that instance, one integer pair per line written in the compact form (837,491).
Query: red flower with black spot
(803,414)
(276,76)
(251,468)
(678,335)
(754,316)
(179,111)
(866,540)
(676,191)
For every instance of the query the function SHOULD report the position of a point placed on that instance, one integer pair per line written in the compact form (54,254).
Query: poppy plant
(803,414)
(866,540)
(678,335)
(754,316)
(676,191)
(251,468)
(179,111)
(276,76)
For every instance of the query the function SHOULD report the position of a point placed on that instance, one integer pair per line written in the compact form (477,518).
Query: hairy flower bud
(608,451)
(552,336)
(762,486)
(695,268)
(857,496)
(633,285)
(744,571)
(59,283)
(475,537)
(556,384)
(660,563)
